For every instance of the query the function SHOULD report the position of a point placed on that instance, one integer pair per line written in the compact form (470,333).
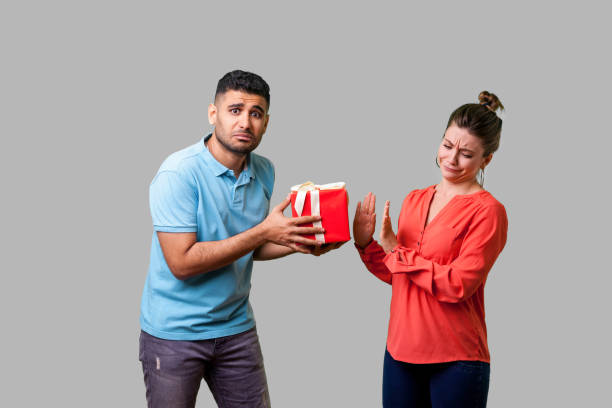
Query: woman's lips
(451,170)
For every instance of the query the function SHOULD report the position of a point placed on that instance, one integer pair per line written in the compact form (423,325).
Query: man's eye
(256,114)
(235,111)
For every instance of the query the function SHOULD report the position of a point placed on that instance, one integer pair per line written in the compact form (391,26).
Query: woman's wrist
(388,246)
(362,245)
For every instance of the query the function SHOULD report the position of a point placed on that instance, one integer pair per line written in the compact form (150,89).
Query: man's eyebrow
(241,105)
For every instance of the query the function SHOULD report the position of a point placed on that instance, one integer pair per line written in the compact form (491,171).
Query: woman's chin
(456,178)
(451,176)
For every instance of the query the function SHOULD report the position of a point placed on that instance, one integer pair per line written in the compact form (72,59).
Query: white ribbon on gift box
(315,207)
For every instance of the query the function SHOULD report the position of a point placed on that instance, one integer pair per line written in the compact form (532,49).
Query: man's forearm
(270,250)
(186,257)
(202,257)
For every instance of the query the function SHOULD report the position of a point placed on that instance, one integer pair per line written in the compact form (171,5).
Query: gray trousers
(232,367)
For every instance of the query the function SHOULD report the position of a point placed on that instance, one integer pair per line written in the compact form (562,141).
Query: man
(209,203)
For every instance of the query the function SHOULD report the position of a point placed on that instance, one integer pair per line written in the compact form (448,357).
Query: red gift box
(331,202)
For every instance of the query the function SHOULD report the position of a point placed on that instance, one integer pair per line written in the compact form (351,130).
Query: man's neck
(233,161)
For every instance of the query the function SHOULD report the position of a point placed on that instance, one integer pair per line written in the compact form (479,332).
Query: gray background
(94,95)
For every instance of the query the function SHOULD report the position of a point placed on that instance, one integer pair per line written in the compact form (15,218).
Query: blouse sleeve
(457,281)
(372,256)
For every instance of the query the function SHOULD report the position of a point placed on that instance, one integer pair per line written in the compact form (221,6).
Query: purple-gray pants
(232,367)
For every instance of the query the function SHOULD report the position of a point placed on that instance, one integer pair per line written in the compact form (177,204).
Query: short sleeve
(173,202)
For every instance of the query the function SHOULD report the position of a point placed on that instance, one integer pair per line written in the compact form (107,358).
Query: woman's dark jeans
(456,384)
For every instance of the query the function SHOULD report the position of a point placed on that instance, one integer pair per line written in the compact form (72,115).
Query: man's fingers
(325,248)
(317,251)
(309,230)
(300,248)
(283,204)
(307,219)
(307,241)
(336,245)
(358,208)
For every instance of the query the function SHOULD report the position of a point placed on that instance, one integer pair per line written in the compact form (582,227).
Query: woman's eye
(447,146)
(467,156)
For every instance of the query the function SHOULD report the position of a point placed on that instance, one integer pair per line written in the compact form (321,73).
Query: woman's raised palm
(364,222)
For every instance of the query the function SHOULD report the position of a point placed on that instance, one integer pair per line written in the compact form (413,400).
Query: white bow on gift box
(315,206)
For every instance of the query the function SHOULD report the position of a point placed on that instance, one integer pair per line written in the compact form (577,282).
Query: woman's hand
(364,222)
(388,240)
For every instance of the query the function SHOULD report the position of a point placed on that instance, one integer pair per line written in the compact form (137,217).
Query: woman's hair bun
(490,100)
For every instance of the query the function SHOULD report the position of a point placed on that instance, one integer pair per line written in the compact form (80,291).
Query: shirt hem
(162,228)
(437,360)
(213,334)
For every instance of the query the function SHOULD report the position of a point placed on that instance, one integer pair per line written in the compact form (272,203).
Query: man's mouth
(244,137)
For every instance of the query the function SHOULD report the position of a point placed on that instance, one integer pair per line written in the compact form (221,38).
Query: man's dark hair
(243,81)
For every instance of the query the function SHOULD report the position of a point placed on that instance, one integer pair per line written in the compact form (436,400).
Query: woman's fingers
(386,227)
(366,203)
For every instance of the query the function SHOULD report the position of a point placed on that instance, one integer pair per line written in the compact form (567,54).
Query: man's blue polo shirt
(193,192)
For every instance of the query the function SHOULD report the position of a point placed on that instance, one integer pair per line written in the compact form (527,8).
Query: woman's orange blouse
(438,273)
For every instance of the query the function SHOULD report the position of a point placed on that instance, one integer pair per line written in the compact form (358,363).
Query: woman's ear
(487,160)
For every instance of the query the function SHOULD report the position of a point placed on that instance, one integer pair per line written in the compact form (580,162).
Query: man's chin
(237,147)
(242,149)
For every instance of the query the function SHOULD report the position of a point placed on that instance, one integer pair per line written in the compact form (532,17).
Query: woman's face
(461,155)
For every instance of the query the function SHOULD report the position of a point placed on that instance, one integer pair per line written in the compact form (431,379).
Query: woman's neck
(448,188)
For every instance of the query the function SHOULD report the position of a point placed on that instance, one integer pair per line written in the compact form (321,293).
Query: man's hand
(388,240)
(364,222)
(286,231)
(186,257)
(325,248)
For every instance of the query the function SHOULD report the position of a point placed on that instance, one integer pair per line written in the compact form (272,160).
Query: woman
(449,236)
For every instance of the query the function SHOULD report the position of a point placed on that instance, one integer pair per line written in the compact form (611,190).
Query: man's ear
(212,114)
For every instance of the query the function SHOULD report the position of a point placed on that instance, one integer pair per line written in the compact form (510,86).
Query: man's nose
(244,120)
